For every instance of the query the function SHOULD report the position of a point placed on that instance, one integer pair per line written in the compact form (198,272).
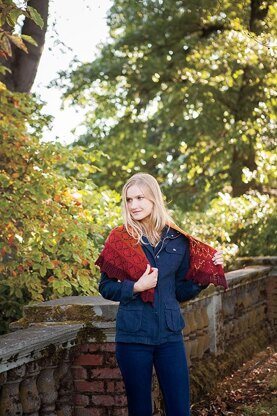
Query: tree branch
(23,66)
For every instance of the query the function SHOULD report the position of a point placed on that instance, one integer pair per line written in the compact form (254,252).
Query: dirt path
(250,391)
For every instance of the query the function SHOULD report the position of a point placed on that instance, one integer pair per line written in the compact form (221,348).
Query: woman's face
(138,205)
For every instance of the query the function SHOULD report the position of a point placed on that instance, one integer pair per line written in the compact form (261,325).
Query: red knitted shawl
(123,258)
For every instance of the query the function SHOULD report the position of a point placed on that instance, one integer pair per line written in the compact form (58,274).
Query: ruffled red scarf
(123,258)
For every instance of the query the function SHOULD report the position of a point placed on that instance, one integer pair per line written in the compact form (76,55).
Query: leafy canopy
(184,90)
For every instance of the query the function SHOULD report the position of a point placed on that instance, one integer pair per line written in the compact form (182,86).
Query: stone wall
(59,359)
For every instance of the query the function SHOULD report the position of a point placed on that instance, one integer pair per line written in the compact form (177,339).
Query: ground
(250,391)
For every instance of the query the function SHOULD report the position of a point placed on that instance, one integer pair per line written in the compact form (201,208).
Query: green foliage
(10,12)
(250,220)
(184,90)
(52,223)
(241,226)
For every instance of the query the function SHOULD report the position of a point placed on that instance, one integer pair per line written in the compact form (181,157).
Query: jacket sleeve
(186,289)
(115,290)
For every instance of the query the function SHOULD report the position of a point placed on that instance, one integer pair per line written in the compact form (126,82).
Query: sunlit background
(74,33)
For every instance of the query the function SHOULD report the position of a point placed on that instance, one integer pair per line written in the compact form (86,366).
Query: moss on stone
(59,313)
(88,332)
(211,369)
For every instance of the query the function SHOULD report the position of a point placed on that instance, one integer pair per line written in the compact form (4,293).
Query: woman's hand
(148,280)
(218,258)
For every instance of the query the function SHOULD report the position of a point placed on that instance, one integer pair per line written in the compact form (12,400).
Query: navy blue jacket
(142,322)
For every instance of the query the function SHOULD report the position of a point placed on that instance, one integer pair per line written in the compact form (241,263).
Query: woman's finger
(218,257)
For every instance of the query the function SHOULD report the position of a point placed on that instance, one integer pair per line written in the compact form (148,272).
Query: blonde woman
(149,265)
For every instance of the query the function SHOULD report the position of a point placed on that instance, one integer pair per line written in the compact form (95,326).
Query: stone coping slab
(25,345)
(247,274)
(88,309)
(262,260)
(71,309)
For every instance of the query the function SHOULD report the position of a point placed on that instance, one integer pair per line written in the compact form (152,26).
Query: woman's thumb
(147,269)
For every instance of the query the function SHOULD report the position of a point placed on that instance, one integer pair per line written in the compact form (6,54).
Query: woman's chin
(137,217)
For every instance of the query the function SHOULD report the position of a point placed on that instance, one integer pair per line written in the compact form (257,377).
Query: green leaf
(18,293)
(42,271)
(35,16)
(4,70)
(29,39)
(13,16)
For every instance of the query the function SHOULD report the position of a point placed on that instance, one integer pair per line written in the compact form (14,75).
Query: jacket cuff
(127,292)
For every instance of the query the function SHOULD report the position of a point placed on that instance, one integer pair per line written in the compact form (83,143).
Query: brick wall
(99,389)
(98,385)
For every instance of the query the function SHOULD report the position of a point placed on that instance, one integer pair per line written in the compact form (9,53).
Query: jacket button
(158,257)
(174,249)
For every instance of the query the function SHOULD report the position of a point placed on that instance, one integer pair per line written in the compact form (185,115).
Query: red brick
(99,412)
(120,400)
(89,386)
(115,386)
(95,347)
(109,346)
(120,412)
(91,411)
(81,400)
(110,386)
(84,348)
(81,411)
(104,373)
(89,359)
(102,400)
(110,360)
(79,373)
(119,387)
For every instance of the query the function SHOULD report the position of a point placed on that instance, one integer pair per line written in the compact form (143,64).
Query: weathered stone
(225,326)
(47,392)
(73,308)
(23,346)
(9,400)
(29,395)
(64,381)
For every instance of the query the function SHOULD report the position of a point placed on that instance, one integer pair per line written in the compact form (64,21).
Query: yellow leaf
(18,42)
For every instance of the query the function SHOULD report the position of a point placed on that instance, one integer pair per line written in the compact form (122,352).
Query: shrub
(52,223)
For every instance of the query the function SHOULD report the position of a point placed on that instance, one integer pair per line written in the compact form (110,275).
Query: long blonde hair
(159,216)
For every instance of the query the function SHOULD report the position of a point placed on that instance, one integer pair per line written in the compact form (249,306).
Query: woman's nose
(133,204)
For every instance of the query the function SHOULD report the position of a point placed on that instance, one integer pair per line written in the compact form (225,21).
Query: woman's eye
(140,197)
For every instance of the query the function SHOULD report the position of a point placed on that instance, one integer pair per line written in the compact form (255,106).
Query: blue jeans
(136,363)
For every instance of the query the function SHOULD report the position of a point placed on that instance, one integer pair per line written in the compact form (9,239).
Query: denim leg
(136,365)
(172,372)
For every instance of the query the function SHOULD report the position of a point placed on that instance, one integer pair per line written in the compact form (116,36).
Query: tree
(53,218)
(21,60)
(184,90)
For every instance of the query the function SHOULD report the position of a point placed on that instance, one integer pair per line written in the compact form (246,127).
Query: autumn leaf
(17,41)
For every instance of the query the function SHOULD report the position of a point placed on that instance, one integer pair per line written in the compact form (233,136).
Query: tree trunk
(23,66)
(244,155)
(239,161)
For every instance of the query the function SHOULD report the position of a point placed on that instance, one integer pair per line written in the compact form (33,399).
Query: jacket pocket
(129,318)
(173,249)
(174,318)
